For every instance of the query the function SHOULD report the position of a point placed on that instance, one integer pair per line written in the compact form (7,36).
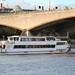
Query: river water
(43,64)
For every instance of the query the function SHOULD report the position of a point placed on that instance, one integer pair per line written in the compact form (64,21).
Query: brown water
(45,64)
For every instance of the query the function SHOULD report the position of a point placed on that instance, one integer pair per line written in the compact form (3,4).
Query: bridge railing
(45,11)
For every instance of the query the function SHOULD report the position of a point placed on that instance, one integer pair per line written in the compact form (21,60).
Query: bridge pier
(26,33)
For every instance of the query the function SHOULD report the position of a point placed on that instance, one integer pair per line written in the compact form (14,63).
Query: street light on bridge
(2,3)
(49,5)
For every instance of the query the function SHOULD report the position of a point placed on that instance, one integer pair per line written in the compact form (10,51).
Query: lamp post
(35,8)
(49,5)
(3,3)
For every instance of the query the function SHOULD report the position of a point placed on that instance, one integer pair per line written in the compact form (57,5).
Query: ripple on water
(53,64)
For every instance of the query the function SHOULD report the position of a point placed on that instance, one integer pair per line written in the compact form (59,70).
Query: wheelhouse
(13,38)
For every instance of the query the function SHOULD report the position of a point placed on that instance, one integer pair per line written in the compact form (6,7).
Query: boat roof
(12,36)
(30,36)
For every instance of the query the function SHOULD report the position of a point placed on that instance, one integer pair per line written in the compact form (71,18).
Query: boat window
(60,43)
(44,46)
(37,39)
(11,39)
(24,39)
(50,38)
(16,39)
(40,39)
(34,46)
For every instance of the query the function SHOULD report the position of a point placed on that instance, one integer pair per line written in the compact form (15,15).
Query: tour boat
(34,44)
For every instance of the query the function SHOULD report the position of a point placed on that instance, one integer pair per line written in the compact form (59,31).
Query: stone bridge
(33,20)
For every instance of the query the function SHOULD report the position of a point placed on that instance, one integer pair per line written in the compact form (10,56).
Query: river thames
(40,64)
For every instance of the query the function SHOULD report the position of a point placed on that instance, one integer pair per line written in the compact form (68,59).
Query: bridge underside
(8,31)
(60,27)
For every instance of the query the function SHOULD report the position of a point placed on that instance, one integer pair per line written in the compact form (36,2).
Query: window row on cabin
(32,39)
(34,46)
(48,38)
(28,39)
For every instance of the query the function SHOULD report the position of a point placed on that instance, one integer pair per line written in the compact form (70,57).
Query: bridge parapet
(39,12)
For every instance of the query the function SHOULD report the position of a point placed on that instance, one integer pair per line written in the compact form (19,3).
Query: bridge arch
(37,20)
(62,25)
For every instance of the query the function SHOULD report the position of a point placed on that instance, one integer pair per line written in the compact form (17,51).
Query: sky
(30,4)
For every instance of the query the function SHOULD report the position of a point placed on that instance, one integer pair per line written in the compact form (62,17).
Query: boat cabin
(31,38)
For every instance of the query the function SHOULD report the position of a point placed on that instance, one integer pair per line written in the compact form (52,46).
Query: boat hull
(30,52)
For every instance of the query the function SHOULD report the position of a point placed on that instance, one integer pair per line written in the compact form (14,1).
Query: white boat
(34,44)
